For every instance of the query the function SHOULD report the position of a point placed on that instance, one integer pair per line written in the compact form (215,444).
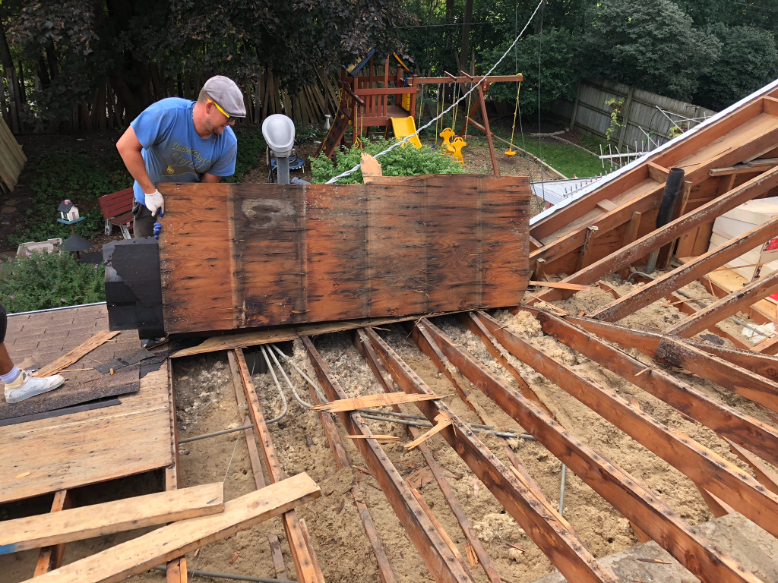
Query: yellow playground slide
(404,126)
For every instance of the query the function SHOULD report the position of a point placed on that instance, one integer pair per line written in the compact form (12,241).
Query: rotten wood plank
(639,505)
(76,354)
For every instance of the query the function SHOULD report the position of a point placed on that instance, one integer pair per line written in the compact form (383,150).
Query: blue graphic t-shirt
(173,151)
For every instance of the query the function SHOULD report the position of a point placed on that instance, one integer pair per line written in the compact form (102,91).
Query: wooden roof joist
(687,273)
(637,504)
(739,135)
(522,499)
(429,543)
(666,234)
(701,465)
(754,435)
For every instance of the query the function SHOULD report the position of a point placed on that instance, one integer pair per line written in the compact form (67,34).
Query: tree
(650,44)
(748,61)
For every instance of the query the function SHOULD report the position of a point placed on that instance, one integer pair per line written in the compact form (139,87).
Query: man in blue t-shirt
(177,140)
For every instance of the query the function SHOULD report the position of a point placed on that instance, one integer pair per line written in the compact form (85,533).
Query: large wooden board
(73,450)
(250,255)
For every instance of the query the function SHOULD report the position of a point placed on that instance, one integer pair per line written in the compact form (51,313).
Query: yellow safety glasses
(227,115)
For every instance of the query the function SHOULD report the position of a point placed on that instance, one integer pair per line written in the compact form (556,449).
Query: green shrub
(251,147)
(64,175)
(44,281)
(402,161)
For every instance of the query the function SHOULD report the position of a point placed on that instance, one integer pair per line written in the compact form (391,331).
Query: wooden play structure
(368,100)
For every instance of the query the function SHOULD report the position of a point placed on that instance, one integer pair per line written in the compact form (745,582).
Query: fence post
(626,113)
(575,105)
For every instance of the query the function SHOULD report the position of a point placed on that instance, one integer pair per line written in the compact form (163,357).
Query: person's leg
(143,223)
(18,384)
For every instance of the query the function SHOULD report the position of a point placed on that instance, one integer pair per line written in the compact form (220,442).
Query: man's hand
(155,202)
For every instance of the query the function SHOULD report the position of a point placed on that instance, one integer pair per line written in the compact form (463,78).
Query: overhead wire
(334,179)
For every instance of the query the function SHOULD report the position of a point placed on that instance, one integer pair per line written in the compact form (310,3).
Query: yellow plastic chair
(446,146)
(457,145)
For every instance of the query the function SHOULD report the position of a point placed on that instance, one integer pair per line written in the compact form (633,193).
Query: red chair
(117,210)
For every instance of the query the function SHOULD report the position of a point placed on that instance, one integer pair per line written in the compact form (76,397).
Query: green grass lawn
(569,160)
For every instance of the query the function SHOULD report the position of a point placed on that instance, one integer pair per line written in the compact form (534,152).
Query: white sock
(11,376)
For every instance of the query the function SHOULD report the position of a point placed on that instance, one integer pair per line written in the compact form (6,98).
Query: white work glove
(155,202)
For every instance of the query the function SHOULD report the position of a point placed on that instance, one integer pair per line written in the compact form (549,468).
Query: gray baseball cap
(227,95)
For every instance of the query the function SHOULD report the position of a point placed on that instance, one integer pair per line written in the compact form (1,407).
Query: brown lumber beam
(256,464)
(50,558)
(757,165)
(306,571)
(761,364)
(672,230)
(685,306)
(767,346)
(526,505)
(725,307)
(472,323)
(365,348)
(385,571)
(657,173)
(727,421)
(700,464)
(767,477)
(691,356)
(585,253)
(175,570)
(433,549)
(687,273)
(639,505)
(629,237)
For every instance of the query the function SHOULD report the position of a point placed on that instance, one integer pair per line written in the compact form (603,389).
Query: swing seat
(457,145)
(446,146)
(510,152)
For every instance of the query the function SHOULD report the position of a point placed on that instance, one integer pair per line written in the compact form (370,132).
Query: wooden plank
(623,257)
(166,543)
(51,557)
(526,505)
(722,282)
(629,237)
(559,285)
(640,506)
(76,354)
(306,572)
(658,173)
(727,421)
(428,542)
(725,307)
(175,570)
(110,517)
(365,348)
(694,357)
(761,365)
(368,401)
(700,464)
(289,254)
(687,273)
(441,422)
(584,255)
(767,477)
(142,419)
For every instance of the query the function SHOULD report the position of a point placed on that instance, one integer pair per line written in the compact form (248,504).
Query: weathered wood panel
(249,255)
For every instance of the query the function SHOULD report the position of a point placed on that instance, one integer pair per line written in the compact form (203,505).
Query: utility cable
(473,88)
(278,386)
(288,382)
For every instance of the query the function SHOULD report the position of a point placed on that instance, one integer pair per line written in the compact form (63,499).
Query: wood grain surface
(250,255)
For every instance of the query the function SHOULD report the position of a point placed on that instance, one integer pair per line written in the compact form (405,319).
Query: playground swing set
(368,100)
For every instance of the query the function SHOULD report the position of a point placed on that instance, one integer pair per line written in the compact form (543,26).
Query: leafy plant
(42,281)
(616,106)
(251,147)
(402,161)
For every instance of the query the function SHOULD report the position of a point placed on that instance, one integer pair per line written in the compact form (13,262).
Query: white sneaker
(26,386)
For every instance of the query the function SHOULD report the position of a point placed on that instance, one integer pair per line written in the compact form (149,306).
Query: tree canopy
(57,55)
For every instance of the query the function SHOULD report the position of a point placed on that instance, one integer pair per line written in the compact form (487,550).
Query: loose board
(249,255)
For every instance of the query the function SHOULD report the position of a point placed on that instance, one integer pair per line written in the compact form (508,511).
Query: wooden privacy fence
(12,158)
(309,105)
(644,115)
